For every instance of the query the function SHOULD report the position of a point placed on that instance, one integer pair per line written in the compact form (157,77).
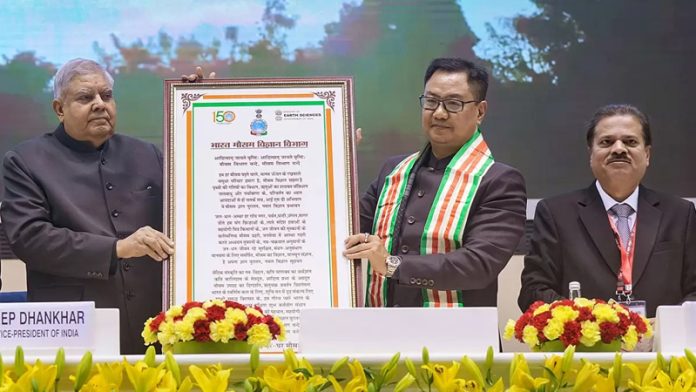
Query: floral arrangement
(213,321)
(558,373)
(579,322)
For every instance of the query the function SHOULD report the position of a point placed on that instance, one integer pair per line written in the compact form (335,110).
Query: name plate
(407,330)
(690,323)
(46,326)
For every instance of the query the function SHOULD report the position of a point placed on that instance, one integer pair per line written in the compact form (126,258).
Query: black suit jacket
(492,232)
(572,240)
(66,204)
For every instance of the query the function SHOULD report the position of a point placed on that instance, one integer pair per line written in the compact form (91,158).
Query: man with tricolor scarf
(440,224)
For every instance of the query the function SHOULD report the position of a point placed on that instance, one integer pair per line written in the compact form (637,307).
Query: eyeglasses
(451,105)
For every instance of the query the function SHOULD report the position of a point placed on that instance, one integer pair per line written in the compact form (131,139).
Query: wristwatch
(393,263)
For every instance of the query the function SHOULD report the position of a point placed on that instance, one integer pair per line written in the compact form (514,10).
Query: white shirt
(631,200)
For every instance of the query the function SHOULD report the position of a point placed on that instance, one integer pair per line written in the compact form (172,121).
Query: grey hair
(76,67)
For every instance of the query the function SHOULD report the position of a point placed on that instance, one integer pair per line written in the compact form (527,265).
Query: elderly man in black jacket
(83,206)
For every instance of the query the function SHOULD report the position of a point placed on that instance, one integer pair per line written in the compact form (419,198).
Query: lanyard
(624,281)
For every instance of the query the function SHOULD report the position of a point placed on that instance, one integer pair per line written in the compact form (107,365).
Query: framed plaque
(261,193)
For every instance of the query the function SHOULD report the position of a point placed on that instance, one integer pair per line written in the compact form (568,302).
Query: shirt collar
(608,201)
(74,144)
(435,163)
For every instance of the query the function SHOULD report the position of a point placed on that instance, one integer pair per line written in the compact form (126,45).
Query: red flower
(540,320)
(521,323)
(609,331)
(235,305)
(154,326)
(215,313)
(563,302)
(201,331)
(585,314)
(638,321)
(240,332)
(571,333)
(624,323)
(272,326)
(534,306)
(192,304)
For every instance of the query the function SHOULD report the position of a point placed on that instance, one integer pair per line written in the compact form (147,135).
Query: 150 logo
(223,116)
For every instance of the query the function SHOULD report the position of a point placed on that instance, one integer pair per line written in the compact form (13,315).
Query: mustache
(619,158)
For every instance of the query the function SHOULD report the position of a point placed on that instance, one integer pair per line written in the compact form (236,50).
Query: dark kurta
(572,241)
(66,204)
(493,231)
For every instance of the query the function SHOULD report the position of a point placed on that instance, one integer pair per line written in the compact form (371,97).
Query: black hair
(619,110)
(477,77)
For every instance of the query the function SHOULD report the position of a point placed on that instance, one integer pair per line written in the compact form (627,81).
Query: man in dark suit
(616,235)
(440,224)
(83,206)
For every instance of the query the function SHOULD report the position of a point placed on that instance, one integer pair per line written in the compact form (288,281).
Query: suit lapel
(594,217)
(648,222)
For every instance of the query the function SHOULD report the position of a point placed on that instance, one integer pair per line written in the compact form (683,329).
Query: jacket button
(126,266)
(431,283)
(103,161)
(109,186)
(418,281)
(404,249)
(130,295)
(411,220)
(431,169)
(413,280)
(148,187)
(115,213)
(420,193)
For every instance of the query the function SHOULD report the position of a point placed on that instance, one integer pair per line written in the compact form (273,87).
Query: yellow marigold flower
(553,329)
(253,312)
(174,311)
(149,336)
(649,329)
(221,331)
(529,335)
(564,314)
(605,312)
(541,309)
(235,316)
(195,314)
(167,333)
(630,338)
(509,330)
(590,333)
(184,329)
(260,335)
(620,309)
(584,302)
(213,302)
(279,322)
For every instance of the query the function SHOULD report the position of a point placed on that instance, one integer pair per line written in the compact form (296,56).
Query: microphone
(574,290)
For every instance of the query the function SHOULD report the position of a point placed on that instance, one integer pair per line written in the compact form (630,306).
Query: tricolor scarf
(447,218)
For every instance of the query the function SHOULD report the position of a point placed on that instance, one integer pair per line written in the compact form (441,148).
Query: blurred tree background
(550,71)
